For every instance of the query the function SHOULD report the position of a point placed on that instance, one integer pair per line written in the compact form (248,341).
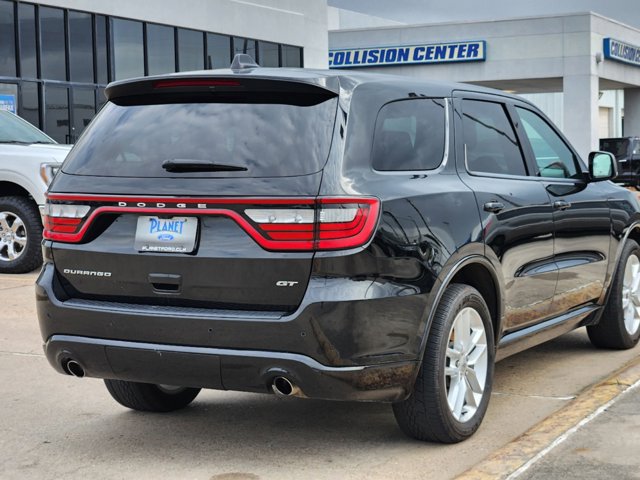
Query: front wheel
(452,390)
(20,235)
(619,326)
(147,397)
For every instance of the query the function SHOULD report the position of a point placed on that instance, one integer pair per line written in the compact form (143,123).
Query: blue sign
(411,54)
(621,52)
(8,103)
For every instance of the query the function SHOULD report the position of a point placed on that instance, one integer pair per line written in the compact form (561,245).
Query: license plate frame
(156,234)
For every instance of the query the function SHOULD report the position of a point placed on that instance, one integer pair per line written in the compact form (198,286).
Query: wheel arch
(13,189)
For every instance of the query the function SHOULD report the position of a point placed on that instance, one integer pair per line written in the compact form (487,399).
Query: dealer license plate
(170,235)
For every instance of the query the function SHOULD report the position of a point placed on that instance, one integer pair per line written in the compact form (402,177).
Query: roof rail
(242,61)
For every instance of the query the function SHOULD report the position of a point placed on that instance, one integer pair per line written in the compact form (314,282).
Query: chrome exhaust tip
(73,368)
(284,387)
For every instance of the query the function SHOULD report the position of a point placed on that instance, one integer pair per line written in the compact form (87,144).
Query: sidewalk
(606,448)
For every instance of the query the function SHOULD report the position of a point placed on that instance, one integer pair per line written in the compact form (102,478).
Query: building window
(102,58)
(57,113)
(53,56)
(128,50)
(161,54)
(7,40)
(80,47)
(190,50)
(29,107)
(84,108)
(244,45)
(28,55)
(291,56)
(218,51)
(269,54)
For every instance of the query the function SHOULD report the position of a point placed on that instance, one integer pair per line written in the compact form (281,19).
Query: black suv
(328,235)
(627,153)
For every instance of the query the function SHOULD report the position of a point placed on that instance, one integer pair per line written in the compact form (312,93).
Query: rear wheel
(147,397)
(619,325)
(20,235)
(453,386)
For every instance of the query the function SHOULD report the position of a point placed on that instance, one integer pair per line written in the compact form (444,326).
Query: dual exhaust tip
(73,368)
(285,388)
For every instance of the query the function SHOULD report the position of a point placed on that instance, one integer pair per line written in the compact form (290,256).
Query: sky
(432,11)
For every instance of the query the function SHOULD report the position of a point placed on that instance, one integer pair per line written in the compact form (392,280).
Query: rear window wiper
(186,165)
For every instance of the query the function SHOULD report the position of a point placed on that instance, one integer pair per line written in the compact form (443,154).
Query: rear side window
(490,140)
(409,135)
(266,139)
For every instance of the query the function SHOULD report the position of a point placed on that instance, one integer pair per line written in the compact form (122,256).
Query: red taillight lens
(63,221)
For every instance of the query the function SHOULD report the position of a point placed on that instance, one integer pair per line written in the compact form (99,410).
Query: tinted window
(57,113)
(13,129)
(7,40)
(101,49)
(618,146)
(190,50)
(28,59)
(244,45)
(30,103)
(128,51)
(490,141)
(218,51)
(53,57)
(553,157)
(291,56)
(81,47)
(409,135)
(84,108)
(267,139)
(269,54)
(161,53)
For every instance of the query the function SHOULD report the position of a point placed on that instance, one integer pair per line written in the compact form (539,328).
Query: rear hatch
(194,192)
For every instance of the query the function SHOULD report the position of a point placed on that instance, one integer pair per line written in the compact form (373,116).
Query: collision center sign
(411,54)
(621,52)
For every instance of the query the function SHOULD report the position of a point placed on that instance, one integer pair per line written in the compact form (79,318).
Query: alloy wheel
(631,294)
(13,236)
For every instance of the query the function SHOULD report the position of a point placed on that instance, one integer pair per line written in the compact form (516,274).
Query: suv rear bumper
(356,350)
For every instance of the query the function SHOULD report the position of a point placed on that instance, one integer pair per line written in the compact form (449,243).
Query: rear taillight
(63,221)
(278,224)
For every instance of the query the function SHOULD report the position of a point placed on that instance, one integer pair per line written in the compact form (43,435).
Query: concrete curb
(518,455)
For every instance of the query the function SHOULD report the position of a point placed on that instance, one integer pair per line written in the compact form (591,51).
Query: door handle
(561,204)
(493,207)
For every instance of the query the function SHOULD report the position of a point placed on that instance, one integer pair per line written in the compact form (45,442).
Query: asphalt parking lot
(61,427)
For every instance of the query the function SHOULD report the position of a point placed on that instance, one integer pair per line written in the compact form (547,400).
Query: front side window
(409,135)
(553,157)
(15,130)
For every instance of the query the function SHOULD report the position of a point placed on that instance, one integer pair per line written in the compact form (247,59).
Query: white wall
(295,22)
(339,18)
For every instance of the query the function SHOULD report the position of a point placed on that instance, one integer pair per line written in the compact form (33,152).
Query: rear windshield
(262,139)
(618,146)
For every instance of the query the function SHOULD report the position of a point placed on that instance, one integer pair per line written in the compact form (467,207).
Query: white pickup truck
(28,161)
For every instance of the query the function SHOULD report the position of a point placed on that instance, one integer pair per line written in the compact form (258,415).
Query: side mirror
(602,166)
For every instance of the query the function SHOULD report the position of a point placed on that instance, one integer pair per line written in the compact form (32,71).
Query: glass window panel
(490,141)
(268,54)
(101,50)
(291,56)
(190,50)
(9,97)
(30,103)
(128,51)
(53,57)
(218,51)
(553,157)
(244,45)
(80,47)
(57,113)
(28,58)
(161,56)
(7,40)
(84,108)
(101,99)
(409,135)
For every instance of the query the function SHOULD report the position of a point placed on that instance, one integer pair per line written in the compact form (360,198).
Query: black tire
(30,256)
(611,331)
(147,397)
(426,414)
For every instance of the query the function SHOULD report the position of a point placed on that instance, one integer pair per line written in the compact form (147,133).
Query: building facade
(57,56)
